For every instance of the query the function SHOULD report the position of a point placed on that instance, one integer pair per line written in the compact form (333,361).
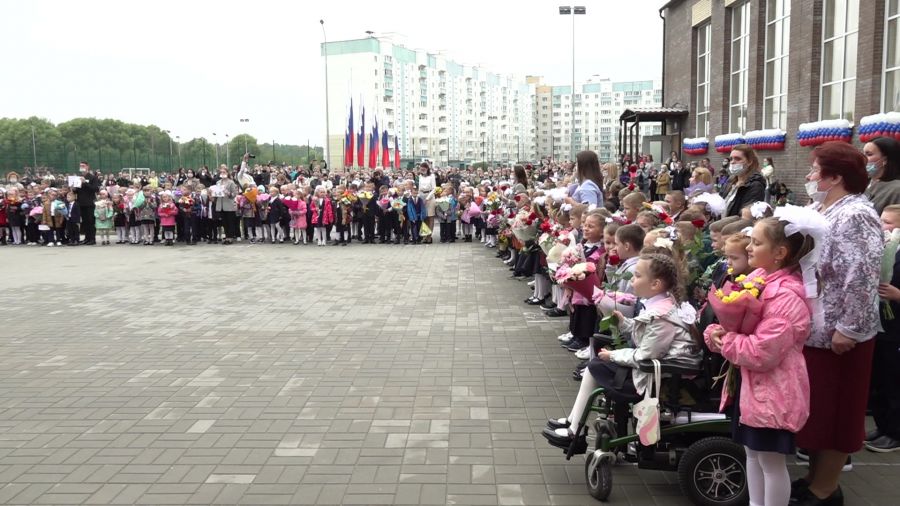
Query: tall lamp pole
(216,142)
(327,126)
(246,149)
(171,161)
(566,10)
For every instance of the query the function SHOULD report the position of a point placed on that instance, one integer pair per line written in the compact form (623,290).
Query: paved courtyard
(289,375)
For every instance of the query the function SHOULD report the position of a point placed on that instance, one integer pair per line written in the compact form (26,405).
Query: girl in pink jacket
(772,400)
(167,212)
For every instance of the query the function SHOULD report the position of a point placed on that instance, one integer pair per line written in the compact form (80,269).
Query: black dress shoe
(872,435)
(798,488)
(553,423)
(572,445)
(556,313)
(807,498)
(533,301)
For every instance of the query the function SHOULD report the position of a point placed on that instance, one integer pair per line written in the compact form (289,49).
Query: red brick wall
(804,73)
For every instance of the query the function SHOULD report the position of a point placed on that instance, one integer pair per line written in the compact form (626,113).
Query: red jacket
(321,217)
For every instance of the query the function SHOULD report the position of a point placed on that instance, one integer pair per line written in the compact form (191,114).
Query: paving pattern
(293,375)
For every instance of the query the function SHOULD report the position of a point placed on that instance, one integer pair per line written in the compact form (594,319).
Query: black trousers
(72,231)
(229,223)
(885,388)
(368,227)
(189,228)
(88,227)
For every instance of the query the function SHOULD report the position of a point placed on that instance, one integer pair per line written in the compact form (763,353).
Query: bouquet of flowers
(348,198)
(887,268)
(492,202)
(442,203)
(608,301)
(185,202)
(263,197)
(493,219)
(525,225)
(250,194)
(737,305)
(576,273)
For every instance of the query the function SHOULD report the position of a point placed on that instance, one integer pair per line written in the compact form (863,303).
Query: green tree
(240,144)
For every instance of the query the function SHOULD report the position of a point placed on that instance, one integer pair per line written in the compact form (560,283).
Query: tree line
(110,145)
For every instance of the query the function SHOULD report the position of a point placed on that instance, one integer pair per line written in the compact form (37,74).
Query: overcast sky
(197,67)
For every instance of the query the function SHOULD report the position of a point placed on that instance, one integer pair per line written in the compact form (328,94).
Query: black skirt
(761,440)
(583,322)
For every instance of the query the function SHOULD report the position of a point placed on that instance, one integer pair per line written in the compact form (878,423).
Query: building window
(840,24)
(740,55)
(704,36)
(778,29)
(891,99)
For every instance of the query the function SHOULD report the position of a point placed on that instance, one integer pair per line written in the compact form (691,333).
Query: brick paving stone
(415,376)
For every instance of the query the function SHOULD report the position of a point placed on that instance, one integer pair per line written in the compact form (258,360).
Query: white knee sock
(768,480)
(588,385)
(541,286)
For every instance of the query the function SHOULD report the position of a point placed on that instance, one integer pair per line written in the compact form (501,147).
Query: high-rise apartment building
(438,109)
(598,104)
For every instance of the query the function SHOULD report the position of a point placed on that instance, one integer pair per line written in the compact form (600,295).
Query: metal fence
(64,161)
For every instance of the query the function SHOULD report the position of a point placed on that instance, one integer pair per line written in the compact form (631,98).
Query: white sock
(588,385)
(768,480)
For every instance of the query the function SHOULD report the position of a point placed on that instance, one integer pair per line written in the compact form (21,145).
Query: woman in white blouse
(426,190)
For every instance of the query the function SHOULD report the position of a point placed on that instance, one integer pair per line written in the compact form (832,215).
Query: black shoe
(554,423)
(556,313)
(573,445)
(548,304)
(807,498)
(798,488)
(872,435)
(532,301)
(575,345)
(884,444)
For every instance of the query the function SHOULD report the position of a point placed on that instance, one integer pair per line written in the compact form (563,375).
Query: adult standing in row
(589,178)
(85,195)
(746,184)
(427,184)
(224,193)
(839,350)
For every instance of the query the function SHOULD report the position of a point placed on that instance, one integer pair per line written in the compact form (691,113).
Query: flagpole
(327,126)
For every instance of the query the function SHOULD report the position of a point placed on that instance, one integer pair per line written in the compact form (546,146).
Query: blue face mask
(871,169)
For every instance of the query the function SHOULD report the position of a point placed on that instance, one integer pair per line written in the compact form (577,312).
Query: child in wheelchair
(660,331)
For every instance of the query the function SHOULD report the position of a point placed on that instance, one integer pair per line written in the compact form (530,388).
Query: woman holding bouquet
(839,351)
(772,391)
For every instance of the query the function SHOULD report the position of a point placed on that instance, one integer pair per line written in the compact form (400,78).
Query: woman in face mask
(746,184)
(845,320)
(883,169)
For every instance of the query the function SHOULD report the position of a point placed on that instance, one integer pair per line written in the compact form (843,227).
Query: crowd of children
(653,270)
(233,208)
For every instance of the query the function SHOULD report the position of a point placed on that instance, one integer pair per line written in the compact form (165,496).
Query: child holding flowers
(772,396)
(660,331)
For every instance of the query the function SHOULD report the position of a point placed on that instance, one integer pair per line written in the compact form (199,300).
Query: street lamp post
(227,161)
(566,10)
(327,127)
(245,120)
(216,141)
(178,141)
(171,165)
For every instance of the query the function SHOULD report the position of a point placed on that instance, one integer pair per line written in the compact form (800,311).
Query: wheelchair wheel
(599,483)
(712,473)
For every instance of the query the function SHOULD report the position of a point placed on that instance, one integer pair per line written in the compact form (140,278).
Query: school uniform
(73,211)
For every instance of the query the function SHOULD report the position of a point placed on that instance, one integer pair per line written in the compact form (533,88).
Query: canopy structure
(631,119)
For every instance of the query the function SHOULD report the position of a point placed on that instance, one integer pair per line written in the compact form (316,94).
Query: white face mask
(736,169)
(812,189)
